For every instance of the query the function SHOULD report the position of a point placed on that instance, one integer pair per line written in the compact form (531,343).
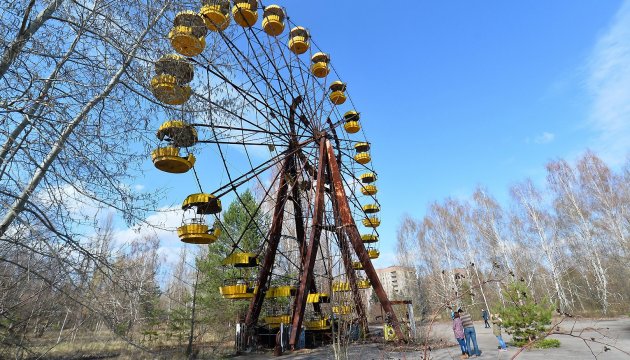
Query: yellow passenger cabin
(299,40)
(363,155)
(166,89)
(204,203)
(341,286)
(318,298)
(195,231)
(352,122)
(337,92)
(369,190)
(281,291)
(368,178)
(371,221)
(357,265)
(176,66)
(237,289)
(274,321)
(317,324)
(241,260)
(216,14)
(373,254)
(188,33)
(320,64)
(369,238)
(168,160)
(245,12)
(371,208)
(178,133)
(273,20)
(172,73)
(364,284)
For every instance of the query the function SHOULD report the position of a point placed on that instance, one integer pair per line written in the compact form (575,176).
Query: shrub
(547,343)
(524,317)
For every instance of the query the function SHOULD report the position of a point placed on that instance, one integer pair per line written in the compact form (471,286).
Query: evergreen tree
(220,314)
(524,317)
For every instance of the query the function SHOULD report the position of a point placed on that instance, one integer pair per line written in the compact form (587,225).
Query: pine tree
(523,317)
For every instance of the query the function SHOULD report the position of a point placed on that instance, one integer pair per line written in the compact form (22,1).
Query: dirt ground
(588,339)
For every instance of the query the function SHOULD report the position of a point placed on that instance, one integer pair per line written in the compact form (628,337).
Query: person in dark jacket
(469,332)
(484,315)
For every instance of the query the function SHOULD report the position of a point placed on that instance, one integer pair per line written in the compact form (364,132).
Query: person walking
(469,333)
(496,330)
(458,330)
(484,315)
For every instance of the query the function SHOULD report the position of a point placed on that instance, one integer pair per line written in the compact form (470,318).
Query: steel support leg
(311,252)
(350,227)
(255,306)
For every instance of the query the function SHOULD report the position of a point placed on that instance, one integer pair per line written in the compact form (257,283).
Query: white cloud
(609,84)
(544,138)
(162,225)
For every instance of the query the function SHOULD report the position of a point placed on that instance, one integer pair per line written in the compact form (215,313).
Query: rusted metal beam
(344,247)
(255,305)
(346,257)
(348,224)
(352,278)
(311,252)
(299,230)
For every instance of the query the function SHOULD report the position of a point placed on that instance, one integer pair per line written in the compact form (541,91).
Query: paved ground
(585,333)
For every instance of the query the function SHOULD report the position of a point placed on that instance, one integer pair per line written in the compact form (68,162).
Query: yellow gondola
(320,64)
(341,286)
(363,158)
(205,203)
(168,160)
(368,178)
(216,14)
(369,238)
(172,73)
(273,20)
(178,133)
(362,146)
(364,284)
(245,12)
(352,122)
(241,260)
(357,265)
(371,208)
(197,232)
(281,291)
(337,92)
(371,221)
(318,298)
(273,322)
(188,33)
(373,254)
(177,66)
(165,88)
(237,289)
(369,190)
(317,324)
(299,40)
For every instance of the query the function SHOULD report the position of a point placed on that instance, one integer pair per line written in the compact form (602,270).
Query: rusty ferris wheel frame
(289,110)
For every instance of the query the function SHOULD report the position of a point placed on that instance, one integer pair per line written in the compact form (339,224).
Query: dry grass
(106,345)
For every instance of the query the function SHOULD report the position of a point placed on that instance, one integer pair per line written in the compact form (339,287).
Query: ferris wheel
(268,103)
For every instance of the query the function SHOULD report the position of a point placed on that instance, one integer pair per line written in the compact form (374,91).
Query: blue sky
(455,94)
